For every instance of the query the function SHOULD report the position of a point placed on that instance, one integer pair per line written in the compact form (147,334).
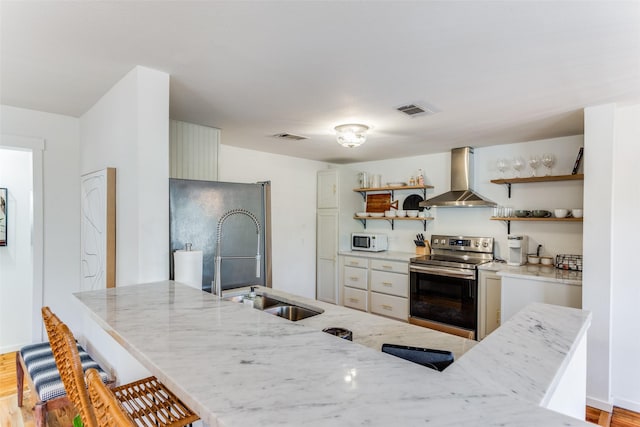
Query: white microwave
(369,242)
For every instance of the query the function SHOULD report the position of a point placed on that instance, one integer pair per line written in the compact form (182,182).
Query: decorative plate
(411,203)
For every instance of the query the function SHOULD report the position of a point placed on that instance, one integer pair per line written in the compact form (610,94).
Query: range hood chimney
(461,194)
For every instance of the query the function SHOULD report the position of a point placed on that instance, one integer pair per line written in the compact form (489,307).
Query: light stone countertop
(237,366)
(386,255)
(547,273)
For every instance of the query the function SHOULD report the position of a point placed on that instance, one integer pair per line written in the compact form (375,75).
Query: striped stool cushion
(39,361)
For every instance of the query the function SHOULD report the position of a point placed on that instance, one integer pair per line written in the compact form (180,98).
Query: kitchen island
(238,366)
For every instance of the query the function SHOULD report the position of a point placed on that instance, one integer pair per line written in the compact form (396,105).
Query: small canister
(364,179)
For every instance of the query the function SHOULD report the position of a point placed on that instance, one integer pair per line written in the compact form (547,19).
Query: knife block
(423,250)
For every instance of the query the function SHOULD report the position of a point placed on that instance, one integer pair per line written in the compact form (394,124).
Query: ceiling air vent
(290,136)
(413,110)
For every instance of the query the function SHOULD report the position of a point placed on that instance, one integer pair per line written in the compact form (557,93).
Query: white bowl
(533,259)
(376,214)
(546,260)
(561,213)
(412,214)
(390,214)
(401,213)
(362,214)
(577,213)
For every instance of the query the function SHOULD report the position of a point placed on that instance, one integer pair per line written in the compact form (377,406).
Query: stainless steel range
(444,285)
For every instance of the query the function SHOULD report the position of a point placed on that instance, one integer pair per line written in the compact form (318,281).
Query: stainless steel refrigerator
(226,220)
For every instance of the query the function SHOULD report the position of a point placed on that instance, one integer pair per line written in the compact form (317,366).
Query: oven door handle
(442,271)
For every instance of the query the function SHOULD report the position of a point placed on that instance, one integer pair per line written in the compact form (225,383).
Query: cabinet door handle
(387,267)
(387,307)
(387,283)
(354,300)
(334,189)
(354,278)
(354,263)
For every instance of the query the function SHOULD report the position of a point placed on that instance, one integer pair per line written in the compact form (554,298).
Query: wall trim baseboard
(629,405)
(600,404)
(10,348)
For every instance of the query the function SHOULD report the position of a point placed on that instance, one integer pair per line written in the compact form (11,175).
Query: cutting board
(380,202)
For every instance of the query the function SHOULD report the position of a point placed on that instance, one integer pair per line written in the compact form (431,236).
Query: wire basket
(569,262)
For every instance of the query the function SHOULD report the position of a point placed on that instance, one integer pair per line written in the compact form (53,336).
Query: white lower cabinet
(389,283)
(355,277)
(377,286)
(355,298)
(489,289)
(390,306)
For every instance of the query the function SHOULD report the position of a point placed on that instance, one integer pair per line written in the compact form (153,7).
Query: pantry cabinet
(333,227)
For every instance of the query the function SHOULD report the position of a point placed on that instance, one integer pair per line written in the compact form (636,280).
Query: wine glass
(547,161)
(534,164)
(518,165)
(502,166)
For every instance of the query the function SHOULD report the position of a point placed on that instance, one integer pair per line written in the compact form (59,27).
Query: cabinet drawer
(352,261)
(390,283)
(355,277)
(390,306)
(355,298)
(394,266)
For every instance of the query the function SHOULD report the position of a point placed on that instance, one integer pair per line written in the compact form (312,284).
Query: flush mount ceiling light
(351,135)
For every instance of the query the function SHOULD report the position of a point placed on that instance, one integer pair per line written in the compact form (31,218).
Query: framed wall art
(98,230)
(3,216)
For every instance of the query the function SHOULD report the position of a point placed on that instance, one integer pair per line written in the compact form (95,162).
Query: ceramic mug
(577,213)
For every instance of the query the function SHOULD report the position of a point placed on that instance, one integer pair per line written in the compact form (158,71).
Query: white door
(327,256)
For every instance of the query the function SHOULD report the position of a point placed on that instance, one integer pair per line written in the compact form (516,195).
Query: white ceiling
(498,71)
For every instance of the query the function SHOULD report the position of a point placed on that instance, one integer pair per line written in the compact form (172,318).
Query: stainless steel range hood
(461,194)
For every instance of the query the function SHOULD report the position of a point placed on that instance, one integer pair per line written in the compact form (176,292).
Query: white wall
(625,320)
(128,128)
(16,279)
(596,284)
(556,237)
(293,211)
(61,161)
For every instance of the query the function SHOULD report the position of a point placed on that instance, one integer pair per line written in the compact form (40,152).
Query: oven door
(444,295)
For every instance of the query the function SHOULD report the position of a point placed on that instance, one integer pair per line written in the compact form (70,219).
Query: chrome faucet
(217,284)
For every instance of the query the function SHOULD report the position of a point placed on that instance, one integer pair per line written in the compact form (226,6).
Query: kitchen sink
(277,307)
(291,312)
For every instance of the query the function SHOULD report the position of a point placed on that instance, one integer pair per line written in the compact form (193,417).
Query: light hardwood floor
(12,416)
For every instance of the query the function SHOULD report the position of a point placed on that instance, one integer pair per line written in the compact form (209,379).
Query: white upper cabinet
(328,197)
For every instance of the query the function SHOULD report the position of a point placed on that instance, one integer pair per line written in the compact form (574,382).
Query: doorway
(21,261)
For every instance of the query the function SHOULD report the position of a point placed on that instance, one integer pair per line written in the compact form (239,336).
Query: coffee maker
(517,245)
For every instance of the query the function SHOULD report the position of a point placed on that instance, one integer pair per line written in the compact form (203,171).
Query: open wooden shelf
(393,187)
(517,218)
(391,220)
(576,177)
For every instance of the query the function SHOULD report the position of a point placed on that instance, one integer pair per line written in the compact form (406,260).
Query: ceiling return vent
(290,136)
(413,110)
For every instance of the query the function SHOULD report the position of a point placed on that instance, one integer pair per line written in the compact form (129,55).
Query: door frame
(37,147)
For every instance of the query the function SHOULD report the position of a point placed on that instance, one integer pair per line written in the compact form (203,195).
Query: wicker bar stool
(36,366)
(147,401)
(107,409)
